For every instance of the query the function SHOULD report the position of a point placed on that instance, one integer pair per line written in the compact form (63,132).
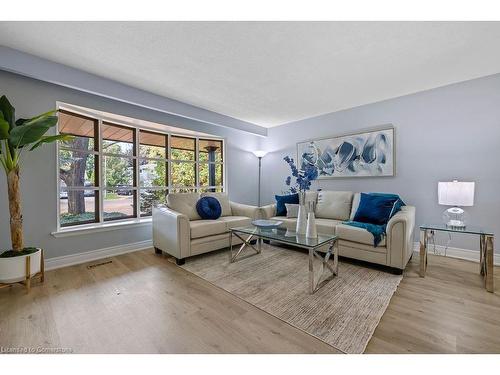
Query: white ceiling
(269,73)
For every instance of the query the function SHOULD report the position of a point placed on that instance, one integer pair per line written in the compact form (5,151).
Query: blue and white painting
(368,154)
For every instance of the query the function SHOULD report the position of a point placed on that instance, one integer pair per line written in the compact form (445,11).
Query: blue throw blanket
(377,230)
(376,208)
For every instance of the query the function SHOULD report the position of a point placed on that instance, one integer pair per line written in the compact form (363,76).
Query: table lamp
(457,194)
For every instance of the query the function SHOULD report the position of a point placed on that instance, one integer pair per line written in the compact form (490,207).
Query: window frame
(99,155)
(97,173)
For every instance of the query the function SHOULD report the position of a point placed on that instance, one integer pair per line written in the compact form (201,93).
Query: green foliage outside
(118,171)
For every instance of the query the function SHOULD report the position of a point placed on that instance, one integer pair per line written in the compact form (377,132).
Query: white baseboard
(89,256)
(455,252)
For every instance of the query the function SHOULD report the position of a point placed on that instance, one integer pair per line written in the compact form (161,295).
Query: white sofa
(179,231)
(334,207)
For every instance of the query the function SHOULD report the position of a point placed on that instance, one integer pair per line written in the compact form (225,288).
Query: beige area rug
(343,313)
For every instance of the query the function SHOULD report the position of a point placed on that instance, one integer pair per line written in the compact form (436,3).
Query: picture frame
(366,153)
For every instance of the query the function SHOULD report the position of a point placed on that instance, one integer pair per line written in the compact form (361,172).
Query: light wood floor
(142,303)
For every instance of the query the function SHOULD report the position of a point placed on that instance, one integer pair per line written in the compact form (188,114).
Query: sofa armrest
(268,211)
(171,232)
(400,237)
(239,209)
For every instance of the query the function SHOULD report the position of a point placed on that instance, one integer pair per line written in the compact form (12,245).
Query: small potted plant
(16,138)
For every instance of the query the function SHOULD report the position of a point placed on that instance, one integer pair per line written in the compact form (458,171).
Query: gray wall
(441,134)
(38,175)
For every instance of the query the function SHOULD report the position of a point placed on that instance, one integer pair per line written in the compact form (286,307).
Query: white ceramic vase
(301,220)
(311,231)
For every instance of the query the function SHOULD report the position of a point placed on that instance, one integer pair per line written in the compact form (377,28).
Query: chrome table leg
(334,271)
(246,242)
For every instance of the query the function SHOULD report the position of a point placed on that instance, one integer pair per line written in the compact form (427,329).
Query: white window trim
(137,221)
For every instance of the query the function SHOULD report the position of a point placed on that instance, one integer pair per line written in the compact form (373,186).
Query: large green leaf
(21,121)
(52,138)
(31,131)
(8,111)
(4,127)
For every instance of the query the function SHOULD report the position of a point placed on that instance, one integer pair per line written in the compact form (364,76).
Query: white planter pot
(13,269)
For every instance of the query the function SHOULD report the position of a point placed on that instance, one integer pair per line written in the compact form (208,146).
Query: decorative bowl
(267,224)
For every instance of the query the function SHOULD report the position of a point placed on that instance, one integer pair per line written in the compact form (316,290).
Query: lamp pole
(260,167)
(260,154)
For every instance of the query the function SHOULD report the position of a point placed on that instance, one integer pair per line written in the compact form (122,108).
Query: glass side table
(486,240)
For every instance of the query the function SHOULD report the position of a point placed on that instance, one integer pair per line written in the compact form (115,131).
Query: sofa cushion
(208,208)
(292,210)
(334,205)
(282,199)
(235,221)
(185,203)
(311,196)
(377,208)
(327,226)
(355,205)
(204,228)
(355,234)
(223,199)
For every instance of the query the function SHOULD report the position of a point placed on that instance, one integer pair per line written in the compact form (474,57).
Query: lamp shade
(456,193)
(260,153)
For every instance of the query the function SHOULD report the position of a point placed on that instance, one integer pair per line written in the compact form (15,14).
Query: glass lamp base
(455,217)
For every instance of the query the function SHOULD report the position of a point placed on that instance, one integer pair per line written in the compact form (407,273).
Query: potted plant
(16,138)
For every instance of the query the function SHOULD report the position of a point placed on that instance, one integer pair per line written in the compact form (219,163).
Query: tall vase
(302,215)
(311,231)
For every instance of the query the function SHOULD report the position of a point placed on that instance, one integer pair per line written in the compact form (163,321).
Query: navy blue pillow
(377,208)
(208,208)
(282,199)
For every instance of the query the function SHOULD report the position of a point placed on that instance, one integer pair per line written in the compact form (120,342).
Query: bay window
(113,170)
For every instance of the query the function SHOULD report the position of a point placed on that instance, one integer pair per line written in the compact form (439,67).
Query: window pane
(118,171)
(82,128)
(210,174)
(217,189)
(152,173)
(76,168)
(183,190)
(183,148)
(118,204)
(218,175)
(210,150)
(183,174)
(77,207)
(151,198)
(117,139)
(152,145)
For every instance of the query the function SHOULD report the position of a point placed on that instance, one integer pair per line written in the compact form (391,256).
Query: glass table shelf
(286,236)
(469,229)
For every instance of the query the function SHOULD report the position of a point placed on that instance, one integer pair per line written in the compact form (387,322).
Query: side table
(486,241)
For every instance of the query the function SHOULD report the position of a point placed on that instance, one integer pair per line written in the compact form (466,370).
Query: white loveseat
(179,231)
(334,207)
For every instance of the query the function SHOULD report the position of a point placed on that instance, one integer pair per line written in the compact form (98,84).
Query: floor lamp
(260,154)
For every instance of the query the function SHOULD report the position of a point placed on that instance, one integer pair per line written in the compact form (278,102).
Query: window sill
(101,227)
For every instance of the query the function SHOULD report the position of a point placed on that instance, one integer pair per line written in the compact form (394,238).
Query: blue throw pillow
(208,208)
(377,208)
(282,199)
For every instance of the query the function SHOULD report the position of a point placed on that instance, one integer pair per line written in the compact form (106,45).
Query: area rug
(343,313)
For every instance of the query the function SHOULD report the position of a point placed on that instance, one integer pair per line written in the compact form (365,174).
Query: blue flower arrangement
(303,177)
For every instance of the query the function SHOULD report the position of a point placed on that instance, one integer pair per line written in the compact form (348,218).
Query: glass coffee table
(281,235)
(486,251)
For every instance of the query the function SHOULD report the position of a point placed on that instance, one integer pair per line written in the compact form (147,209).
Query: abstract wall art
(366,154)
